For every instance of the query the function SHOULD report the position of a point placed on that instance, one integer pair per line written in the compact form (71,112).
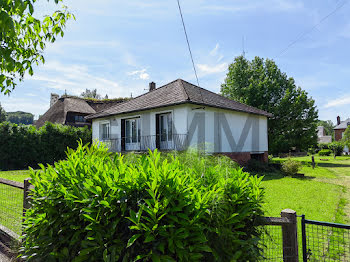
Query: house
(180,115)
(321,136)
(340,128)
(71,110)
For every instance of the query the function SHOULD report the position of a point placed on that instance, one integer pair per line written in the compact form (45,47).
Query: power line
(188,43)
(312,29)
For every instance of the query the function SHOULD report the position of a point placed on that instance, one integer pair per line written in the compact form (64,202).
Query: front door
(166,131)
(132,134)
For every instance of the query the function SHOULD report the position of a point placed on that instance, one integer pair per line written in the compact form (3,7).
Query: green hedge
(96,206)
(22,146)
(325,152)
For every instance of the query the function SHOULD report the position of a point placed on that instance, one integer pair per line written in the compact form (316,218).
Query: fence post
(289,236)
(25,196)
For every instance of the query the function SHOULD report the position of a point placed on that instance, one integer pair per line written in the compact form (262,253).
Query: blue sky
(119,47)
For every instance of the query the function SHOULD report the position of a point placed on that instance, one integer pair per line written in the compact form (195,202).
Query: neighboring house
(71,110)
(321,136)
(340,129)
(179,115)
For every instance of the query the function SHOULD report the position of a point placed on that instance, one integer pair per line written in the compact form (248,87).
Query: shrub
(311,151)
(291,167)
(325,152)
(96,206)
(322,146)
(23,146)
(337,148)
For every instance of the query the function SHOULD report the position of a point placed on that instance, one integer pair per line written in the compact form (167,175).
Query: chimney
(338,120)
(152,86)
(54,99)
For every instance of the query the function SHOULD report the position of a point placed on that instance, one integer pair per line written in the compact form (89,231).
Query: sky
(118,47)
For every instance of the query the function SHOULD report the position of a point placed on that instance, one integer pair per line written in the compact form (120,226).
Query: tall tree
(2,114)
(23,38)
(328,127)
(91,94)
(260,83)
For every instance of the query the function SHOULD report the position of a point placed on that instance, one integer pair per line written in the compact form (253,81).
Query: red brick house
(340,128)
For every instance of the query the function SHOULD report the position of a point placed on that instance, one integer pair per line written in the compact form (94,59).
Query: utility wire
(312,29)
(188,43)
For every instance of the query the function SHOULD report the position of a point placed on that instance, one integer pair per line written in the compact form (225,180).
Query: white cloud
(215,50)
(206,69)
(266,5)
(338,102)
(76,78)
(141,74)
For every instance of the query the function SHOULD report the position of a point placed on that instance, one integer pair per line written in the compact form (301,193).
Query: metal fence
(324,241)
(143,143)
(13,203)
(271,243)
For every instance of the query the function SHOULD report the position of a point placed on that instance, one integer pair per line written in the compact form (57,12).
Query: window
(166,127)
(79,119)
(132,131)
(105,131)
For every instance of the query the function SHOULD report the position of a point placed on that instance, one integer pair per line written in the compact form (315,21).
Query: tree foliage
(328,127)
(2,114)
(260,83)
(22,146)
(23,38)
(20,117)
(346,137)
(91,94)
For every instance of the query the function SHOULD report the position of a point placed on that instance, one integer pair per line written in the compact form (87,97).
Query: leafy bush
(311,151)
(323,146)
(337,148)
(98,207)
(23,146)
(325,152)
(291,167)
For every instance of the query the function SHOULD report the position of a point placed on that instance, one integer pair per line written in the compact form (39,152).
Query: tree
(91,94)
(23,38)
(328,127)
(260,83)
(2,114)
(346,137)
(20,118)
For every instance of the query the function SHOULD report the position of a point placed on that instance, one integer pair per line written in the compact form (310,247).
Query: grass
(323,194)
(11,201)
(18,175)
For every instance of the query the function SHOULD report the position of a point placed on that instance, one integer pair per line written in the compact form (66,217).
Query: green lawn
(318,195)
(11,201)
(18,175)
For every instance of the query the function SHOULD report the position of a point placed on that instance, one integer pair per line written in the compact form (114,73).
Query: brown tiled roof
(58,112)
(174,93)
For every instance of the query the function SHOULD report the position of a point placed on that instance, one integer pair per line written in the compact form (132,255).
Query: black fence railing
(324,241)
(177,142)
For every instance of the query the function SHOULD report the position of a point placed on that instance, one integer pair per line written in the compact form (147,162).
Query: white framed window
(106,131)
(132,130)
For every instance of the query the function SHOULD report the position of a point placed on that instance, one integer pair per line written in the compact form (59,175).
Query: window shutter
(122,132)
(157,132)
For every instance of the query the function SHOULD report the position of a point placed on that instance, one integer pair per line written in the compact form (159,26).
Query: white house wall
(220,130)
(227,131)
